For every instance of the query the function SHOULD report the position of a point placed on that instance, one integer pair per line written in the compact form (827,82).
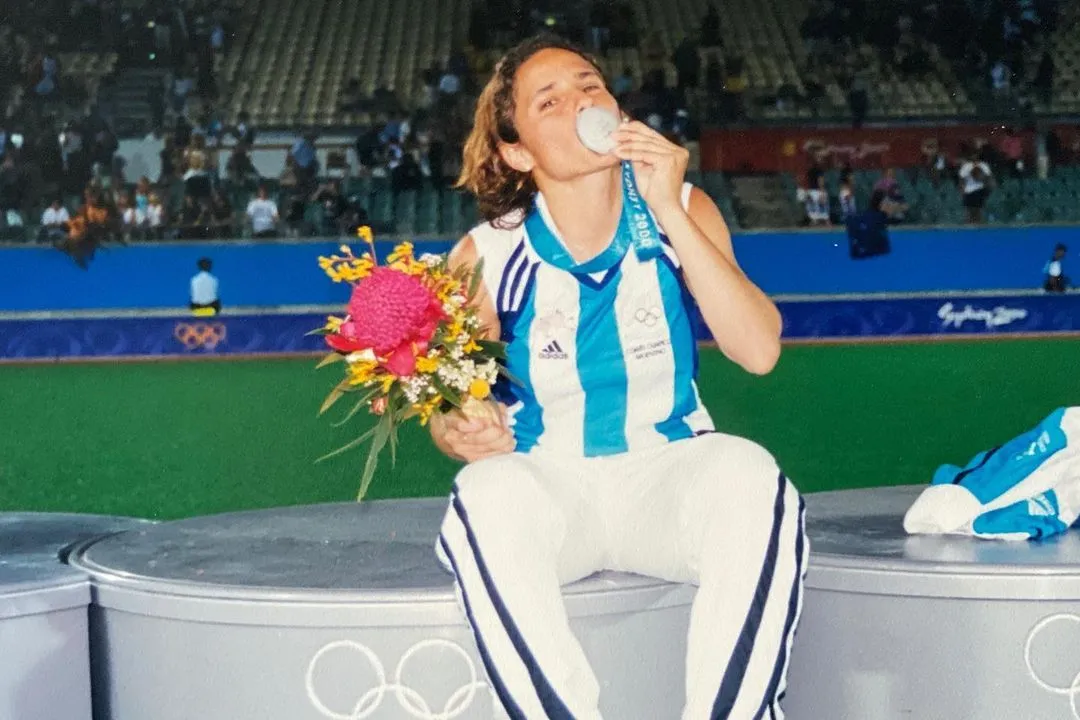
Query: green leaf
(330,360)
(451,395)
(493,348)
(382,433)
(349,446)
(335,395)
(393,446)
(362,402)
(318,331)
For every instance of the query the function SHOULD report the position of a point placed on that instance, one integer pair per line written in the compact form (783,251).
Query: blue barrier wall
(157,275)
(183,335)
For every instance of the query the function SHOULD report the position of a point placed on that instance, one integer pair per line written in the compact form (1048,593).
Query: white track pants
(714,511)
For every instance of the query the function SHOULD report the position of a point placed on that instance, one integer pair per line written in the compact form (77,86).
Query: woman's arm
(742,318)
(744,321)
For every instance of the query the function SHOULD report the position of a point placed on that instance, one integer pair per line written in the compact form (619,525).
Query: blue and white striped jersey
(606,353)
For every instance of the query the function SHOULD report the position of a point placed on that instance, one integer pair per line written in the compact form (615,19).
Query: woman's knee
(501,490)
(749,472)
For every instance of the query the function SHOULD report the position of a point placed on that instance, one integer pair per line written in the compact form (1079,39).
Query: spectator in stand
(293,198)
(333,207)
(244,132)
(406,176)
(1012,148)
(816,203)
(221,215)
(305,162)
(54,222)
(155,216)
(975,181)
(262,213)
(1043,83)
(194,219)
(892,204)
(687,64)
(12,192)
(197,178)
(239,169)
(848,204)
(126,215)
(142,196)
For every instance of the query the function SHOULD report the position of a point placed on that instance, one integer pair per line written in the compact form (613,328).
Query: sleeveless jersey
(606,361)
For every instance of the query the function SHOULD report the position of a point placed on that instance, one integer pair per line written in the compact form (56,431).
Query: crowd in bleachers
(1009,177)
(1001,47)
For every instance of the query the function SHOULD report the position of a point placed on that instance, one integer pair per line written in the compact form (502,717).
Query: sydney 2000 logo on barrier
(200,335)
(999,316)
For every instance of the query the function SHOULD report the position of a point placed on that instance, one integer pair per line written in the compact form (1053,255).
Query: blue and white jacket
(1028,488)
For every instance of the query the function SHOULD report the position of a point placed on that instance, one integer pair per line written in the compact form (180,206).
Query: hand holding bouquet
(411,341)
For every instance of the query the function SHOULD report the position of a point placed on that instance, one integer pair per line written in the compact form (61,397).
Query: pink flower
(402,361)
(378,405)
(392,313)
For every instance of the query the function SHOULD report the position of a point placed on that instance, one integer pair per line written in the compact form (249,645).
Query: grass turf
(174,439)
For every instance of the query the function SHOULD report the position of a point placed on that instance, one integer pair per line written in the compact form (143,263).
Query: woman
(605,458)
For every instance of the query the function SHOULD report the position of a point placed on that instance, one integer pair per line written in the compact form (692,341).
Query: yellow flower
(479,389)
(362,373)
(364,233)
(471,347)
(429,409)
(426,364)
(404,251)
(387,383)
(333,323)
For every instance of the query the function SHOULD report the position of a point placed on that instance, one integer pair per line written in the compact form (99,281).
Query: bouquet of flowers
(411,341)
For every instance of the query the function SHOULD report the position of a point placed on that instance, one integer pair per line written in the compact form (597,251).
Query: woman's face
(550,89)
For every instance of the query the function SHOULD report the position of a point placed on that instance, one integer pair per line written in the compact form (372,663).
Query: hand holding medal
(659,165)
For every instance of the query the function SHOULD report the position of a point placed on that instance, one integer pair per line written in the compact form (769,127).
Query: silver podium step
(926,627)
(338,611)
(44,643)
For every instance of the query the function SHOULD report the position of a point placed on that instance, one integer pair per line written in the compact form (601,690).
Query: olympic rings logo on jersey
(200,335)
(1071,691)
(648,317)
(409,698)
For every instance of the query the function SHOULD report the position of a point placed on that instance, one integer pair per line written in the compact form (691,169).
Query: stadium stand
(230,74)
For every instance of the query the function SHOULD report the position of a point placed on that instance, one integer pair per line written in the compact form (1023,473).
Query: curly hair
(501,190)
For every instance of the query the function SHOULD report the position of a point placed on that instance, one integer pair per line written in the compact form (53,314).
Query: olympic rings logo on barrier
(409,698)
(1072,691)
(200,335)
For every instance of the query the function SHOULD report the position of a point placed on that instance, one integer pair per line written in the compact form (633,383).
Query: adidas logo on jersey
(553,351)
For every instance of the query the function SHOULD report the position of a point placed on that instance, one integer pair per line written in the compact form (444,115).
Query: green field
(173,439)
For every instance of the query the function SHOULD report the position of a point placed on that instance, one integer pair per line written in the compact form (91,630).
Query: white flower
(361,356)
(431,259)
